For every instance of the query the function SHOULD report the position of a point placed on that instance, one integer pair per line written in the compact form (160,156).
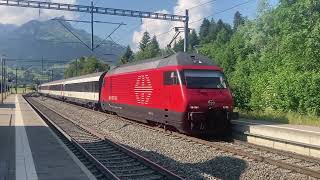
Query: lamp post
(1,80)
(3,86)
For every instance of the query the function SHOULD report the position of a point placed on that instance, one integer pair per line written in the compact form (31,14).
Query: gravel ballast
(187,159)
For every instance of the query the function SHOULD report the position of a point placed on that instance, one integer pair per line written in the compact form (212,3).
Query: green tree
(151,49)
(220,25)
(193,40)
(238,20)
(154,47)
(127,56)
(85,65)
(204,29)
(144,41)
(178,46)
(212,35)
(273,61)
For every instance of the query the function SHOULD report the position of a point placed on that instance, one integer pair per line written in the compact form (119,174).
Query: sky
(131,33)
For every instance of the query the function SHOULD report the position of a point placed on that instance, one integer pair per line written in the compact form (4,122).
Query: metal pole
(42,78)
(76,67)
(64,71)
(5,79)
(16,80)
(92,43)
(1,80)
(51,74)
(186,31)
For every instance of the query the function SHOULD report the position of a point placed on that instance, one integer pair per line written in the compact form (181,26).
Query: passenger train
(187,92)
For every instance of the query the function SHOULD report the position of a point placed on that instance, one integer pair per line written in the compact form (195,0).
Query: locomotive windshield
(204,79)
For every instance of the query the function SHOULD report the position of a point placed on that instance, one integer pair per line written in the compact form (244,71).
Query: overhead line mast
(92,41)
(101,10)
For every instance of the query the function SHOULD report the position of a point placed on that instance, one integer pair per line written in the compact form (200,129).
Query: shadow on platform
(7,105)
(7,152)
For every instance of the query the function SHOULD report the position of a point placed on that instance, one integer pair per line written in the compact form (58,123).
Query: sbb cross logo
(143,89)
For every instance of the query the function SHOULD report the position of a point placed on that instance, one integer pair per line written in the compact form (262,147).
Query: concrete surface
(30,150)
(303,140)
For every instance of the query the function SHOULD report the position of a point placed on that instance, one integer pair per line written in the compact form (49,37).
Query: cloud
(18,15)
(159,27)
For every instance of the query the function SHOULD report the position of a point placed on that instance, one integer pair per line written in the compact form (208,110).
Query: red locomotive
(187,92)
(183,91)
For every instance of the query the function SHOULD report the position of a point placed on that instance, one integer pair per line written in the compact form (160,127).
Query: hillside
(49,39)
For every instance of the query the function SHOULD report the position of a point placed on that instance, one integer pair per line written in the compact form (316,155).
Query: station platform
(300,139)
(29,149)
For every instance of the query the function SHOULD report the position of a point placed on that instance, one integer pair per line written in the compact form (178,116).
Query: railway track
(114,161)
(286,160)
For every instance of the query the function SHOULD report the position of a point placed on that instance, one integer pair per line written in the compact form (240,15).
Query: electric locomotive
(185,91)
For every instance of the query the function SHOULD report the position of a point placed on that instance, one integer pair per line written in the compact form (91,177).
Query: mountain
(50,40)
(6,28)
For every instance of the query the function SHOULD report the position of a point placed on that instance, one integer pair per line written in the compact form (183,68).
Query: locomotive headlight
(225,107)
(194,107)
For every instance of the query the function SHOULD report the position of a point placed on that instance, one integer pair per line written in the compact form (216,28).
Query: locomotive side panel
(132,95)
(145,96)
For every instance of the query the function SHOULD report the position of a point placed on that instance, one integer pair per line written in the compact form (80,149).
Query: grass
(281,117)
(20,91)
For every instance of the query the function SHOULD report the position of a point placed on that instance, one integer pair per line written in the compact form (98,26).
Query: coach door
(62,90)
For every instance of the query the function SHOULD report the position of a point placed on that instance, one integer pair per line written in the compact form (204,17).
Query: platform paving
(7,142)
(29,150)
(299,139)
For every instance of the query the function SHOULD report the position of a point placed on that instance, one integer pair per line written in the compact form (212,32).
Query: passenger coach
(82,90)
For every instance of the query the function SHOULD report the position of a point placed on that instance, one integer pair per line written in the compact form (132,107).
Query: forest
(271,62)
(85,65)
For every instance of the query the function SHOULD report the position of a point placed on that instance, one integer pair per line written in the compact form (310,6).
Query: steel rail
(279,163)
(168,174)
(277,151)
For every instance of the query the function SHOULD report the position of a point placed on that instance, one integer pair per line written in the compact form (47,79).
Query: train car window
(171,78)
(66,87)
(83,87)
(90,87)
(205,79)
(55,87)
(96,86)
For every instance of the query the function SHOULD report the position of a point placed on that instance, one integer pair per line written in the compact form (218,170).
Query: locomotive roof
(73,79)
(176,59)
